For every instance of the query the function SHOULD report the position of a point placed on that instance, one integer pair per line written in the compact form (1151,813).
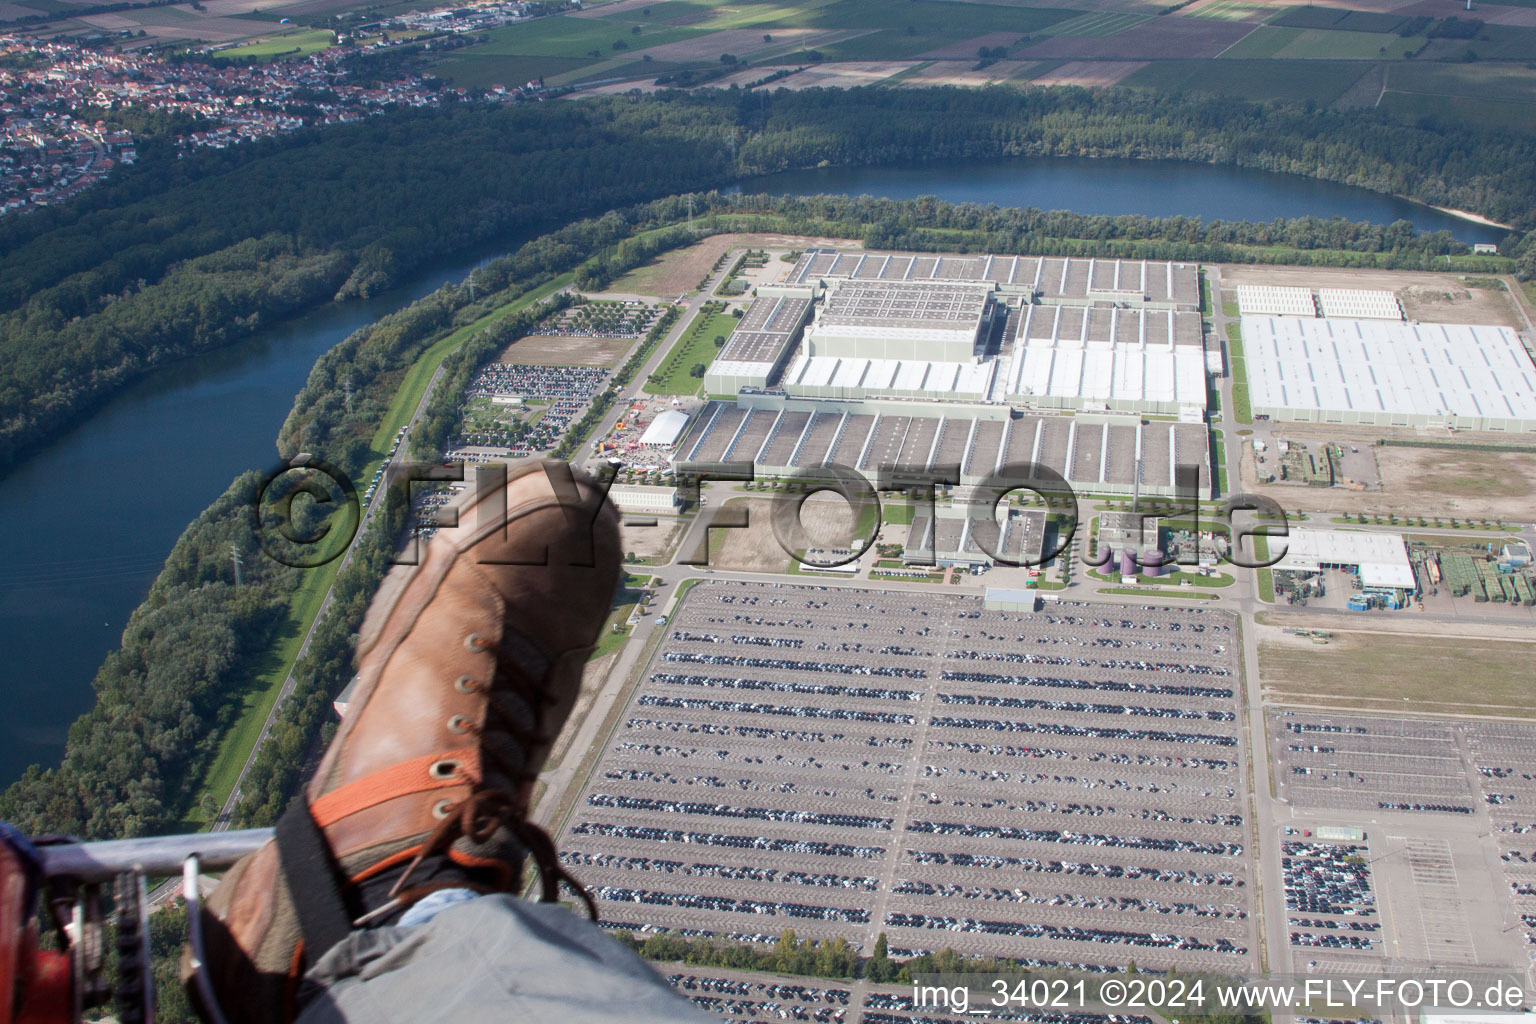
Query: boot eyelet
(466,684)
(445,769)
(475,644)
(459,724)
(442,809)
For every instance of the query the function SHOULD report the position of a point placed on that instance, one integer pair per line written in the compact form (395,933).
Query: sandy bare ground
(753,548)
(679,272)
(826,518)
(650,541)
(1453,303)
(110,22)
(1430,298)
(844,75)
(1270,624)
(967,49)
(1091,73)
(553,350)
(965,73)
(1419,481)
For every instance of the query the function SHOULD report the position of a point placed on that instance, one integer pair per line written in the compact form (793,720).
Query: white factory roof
(1104,371)
(1382,557)
(1385,366)
(666,428)
(739,368)
(1359,304)
(1268,300)
(877,376)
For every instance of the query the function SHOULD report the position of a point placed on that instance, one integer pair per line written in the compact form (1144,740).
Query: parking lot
(1448,867)
(1063,787)
(1363,763)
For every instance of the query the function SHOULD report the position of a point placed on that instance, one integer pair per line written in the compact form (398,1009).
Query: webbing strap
(320,892)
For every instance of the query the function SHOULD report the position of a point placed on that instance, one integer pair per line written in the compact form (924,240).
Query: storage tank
(1152,563)
(1127,562)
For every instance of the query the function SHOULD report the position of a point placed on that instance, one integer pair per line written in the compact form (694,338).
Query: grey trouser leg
(494,960)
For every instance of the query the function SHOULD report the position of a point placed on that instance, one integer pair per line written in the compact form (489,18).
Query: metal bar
(154,856)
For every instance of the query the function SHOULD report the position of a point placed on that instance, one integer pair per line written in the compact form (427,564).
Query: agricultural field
(1097,23)
(1320,81)
(1269,42)
(296,44)
(1492,95)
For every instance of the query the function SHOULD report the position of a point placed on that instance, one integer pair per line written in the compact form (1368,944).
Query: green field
(576,37)
(1324,44)
(695,345)
(908,29)
(1334,18)
(471,69)
(1270,42)
(1262,43)
(1242,411)
(1300,80)
(296,45)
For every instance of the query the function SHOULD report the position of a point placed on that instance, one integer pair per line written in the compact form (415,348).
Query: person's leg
(468,666)
(491,960)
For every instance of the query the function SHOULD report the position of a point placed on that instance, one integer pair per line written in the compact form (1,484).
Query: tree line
(835,959)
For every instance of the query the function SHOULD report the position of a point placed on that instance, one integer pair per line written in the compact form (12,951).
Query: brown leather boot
(468,665)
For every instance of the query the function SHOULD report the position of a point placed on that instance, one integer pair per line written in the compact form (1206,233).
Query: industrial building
(642,499)
(1389,374)
(950,538)
(1380,559)
(1138,360)
(1052,280)
(762,342)
(871,359)
(1359,304)
(1095,453)
(1269,300)
(889,320)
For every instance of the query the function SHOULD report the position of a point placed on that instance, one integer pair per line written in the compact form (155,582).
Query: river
(86,522)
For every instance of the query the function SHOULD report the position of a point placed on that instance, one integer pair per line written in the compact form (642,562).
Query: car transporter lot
(1064,787)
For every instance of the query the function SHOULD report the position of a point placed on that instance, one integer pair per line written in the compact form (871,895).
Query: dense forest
(179,255)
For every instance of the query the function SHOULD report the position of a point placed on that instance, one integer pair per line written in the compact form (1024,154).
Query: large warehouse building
(1095,453)
(1387,373)
(871,359)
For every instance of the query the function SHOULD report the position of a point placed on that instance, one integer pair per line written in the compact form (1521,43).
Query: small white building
(1380,558)
(638,498)
(666,429)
